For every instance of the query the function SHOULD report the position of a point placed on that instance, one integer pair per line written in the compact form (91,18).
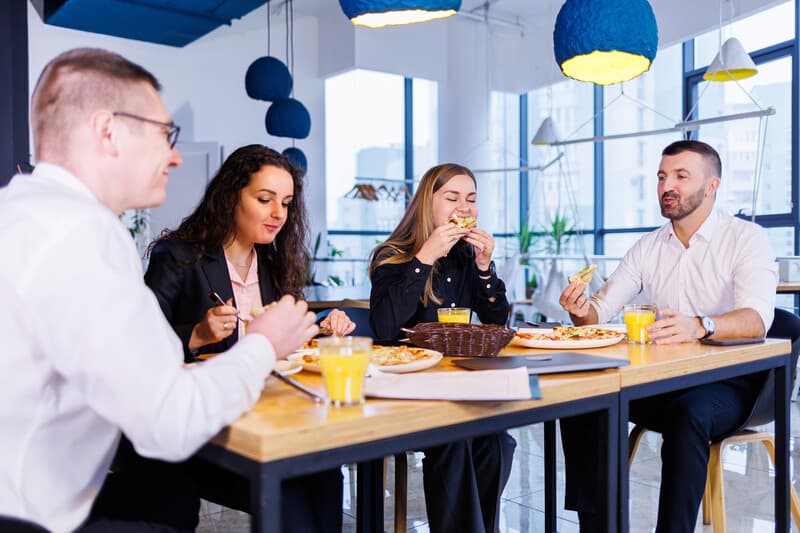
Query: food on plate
(463,222)
(383,355)
(285,366)
(585,274)
(571,333)
(310,345)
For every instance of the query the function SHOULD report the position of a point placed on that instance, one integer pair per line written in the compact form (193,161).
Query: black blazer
(182,282)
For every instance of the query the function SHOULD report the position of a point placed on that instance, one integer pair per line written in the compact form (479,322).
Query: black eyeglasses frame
(173,129)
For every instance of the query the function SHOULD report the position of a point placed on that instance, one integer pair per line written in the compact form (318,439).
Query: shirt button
(449,280)
(453,304)
(488,285)
(416,270)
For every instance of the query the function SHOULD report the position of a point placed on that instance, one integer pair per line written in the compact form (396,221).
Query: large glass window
(651,101)
(738,142)
(562,189)
(365,167)
(769,27)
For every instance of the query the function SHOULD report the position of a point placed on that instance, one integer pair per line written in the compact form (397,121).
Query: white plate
(287,368)
(433,358)
(561,345)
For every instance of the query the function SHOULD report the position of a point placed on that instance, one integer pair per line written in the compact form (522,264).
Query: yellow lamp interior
(730,74)
(605,68)
(397,18)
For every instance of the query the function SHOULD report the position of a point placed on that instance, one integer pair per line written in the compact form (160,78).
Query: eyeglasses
(173,130)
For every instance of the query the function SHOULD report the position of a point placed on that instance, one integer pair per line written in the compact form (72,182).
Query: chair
(785,325)
(17,525)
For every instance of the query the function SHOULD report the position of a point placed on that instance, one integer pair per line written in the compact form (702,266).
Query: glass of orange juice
(344,361)
(637,317)
(461,315)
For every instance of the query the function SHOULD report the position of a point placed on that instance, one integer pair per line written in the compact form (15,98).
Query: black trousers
(463,482)
(311,503)
(688,420)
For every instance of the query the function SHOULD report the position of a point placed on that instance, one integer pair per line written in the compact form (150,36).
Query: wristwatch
(489,271)
(708,325)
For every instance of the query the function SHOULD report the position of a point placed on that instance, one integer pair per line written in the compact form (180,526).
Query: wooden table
(286,435)
(788,287)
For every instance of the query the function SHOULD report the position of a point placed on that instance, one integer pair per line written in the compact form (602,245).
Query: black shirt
(396,295)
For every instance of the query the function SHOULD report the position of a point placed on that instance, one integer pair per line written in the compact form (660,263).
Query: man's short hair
(76,83)
(706,151)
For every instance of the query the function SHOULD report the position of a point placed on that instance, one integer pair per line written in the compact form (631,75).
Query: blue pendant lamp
(380,13)
(297,158)
(288,118)
(268,79)
(605,41)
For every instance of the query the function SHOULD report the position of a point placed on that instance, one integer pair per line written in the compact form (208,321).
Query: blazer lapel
(219,280)
(268,293)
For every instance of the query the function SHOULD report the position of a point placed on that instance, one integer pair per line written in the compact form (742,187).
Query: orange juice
(344,361)
(460,315)
(637,317)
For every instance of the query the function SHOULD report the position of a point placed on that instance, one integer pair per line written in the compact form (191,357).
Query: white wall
(203,84)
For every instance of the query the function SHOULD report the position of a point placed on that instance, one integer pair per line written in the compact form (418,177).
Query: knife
(292,383)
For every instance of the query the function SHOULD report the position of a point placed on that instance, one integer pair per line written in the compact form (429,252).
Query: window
(636,159)
(566,187)
(365,168)
(767,28)
(738,142)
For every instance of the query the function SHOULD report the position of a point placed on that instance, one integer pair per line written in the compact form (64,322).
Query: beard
(682,208)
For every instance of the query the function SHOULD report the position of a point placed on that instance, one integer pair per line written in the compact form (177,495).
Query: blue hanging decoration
(380,13)
(288,118)
(268,78)
(297,158)
(605,41)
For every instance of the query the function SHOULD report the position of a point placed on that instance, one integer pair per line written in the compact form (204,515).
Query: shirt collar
(63,176)
(705,231)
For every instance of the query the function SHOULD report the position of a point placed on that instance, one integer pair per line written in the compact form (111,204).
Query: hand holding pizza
(483,243)
(440,242)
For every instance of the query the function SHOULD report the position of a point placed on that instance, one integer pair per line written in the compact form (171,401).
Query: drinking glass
(637,317)
(344,361)
(461,315)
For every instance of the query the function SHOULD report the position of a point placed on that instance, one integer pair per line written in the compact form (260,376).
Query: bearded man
(711,276)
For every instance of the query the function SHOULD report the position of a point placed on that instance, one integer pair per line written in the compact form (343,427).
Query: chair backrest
(359,315)
(17,525)
(785,325)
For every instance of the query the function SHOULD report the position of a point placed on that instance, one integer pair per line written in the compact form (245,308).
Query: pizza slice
(464,222)
(585,274)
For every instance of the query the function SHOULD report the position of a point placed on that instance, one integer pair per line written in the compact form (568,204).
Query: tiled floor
(748,490)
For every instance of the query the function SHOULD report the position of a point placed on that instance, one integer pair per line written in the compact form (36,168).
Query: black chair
(17,525)
(785,325)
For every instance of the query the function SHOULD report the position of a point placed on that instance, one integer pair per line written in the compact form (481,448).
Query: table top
(787,287)
(285,423)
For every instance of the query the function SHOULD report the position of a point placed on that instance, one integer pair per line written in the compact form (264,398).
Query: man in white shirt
(87,352)
(710,276)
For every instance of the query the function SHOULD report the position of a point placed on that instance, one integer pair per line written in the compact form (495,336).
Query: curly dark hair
(212,223)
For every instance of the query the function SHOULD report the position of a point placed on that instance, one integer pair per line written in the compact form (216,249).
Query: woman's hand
(338,322)
(440,242)
(218,324)
(483,243)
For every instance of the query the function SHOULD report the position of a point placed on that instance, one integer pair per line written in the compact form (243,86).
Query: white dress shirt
(728,265)
(87,353)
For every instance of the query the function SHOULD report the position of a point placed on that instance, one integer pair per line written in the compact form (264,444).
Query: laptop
(544,363)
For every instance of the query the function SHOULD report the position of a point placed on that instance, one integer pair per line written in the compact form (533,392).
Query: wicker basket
(463,340)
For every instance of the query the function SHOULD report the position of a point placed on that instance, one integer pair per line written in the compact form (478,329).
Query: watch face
(708,324)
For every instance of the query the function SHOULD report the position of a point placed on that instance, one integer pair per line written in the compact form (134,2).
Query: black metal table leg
(369,497)
(265,502)
(550,512)
(782,422)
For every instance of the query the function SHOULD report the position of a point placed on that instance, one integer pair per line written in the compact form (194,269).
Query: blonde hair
(417,225)
(76,83)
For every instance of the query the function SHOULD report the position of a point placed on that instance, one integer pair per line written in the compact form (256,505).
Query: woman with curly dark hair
(246,242)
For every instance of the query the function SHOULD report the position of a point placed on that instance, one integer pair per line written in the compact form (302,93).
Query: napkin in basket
(512,384)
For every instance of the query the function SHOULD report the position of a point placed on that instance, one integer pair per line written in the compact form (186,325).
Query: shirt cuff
(487,288)
(417,269)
